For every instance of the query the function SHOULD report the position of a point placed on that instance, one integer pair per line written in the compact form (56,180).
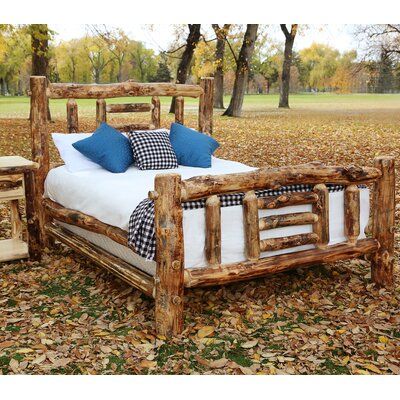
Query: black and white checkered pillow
(152,149)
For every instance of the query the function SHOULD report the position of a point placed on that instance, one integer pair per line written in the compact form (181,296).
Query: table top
(15,165)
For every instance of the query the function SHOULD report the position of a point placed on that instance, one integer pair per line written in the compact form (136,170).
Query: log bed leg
(169,280)
(40,154)
(383,222)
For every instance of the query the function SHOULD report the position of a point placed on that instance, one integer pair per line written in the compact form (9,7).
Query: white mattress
(111,198)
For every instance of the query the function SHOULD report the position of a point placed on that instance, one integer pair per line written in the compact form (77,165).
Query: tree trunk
(242,71)
(40,53)
(287,63)
(2,87)
(183,68)
(219,61)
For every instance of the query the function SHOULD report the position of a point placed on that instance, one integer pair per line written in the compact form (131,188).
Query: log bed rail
(170,191)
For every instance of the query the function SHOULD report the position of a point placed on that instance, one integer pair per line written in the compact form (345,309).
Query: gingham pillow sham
(152,150)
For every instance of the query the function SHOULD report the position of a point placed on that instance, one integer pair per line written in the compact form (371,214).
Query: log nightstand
(17,183)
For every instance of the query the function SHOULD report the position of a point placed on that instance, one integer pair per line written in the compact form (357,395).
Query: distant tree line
(242,58)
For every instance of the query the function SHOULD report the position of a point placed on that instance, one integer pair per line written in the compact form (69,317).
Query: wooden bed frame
(171,278)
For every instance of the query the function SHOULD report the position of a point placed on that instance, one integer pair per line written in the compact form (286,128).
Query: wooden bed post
(72,116)
(156,112)
(169,279)
(101,113)
(383,222)
(40,155)
(206,105)
(179,110)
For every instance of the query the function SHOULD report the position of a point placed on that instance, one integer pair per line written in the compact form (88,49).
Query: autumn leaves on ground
(65,316)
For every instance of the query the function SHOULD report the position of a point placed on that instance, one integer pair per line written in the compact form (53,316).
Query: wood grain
(384,223)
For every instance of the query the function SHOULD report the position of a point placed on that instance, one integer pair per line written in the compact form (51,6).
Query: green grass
(18,107)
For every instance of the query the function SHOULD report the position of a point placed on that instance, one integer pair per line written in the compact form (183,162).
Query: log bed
(171,277)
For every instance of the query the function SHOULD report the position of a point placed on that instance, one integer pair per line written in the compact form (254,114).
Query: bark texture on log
(352,213)
(288,242)
(384,222)
(169,254)
(123,270)
(40,155)
(72,116)
(124,89)
(274,178)
(213,230)
(251,231)
(33,224)
(224,274)
(206,106)
(140,126)
(129,107)
(242,71)
(156,112)
(286,200)
(84,221)
(101,113)
(16,221)
(179,110)
(321,209)
(278,221)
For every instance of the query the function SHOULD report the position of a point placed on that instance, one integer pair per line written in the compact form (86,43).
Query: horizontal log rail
(115,265)
(288,241)
(129,107)
(286,200)
(104,91)
(274,178)
(10,182)
(224,274)
(84,221)
(279,221)
(135,127)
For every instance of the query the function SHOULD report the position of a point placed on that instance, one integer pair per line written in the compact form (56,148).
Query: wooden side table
(17,183)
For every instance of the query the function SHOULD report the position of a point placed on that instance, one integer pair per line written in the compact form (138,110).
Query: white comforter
(111,198)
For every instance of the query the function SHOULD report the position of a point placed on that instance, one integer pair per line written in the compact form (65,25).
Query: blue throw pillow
(107,147)
(192,148)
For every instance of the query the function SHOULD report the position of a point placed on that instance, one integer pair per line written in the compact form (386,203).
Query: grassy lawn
(18,107)
(66,316)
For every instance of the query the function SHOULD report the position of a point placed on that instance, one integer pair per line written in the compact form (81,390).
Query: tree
(242,71)
(317,66)
(163,74)
(98,56)
(287,63)
(219,64)
(40,36)
(117,44)
(142,61)
(192,40)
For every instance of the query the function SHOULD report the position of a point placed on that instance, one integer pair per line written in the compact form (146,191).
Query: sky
(158,37)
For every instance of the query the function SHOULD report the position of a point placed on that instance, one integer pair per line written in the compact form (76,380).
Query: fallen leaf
(218,363)
(373,368)
(205,331)
(39,360)
(249,344)
(25,351)
(14,364)
(148,364)
(383,339)
(5,344)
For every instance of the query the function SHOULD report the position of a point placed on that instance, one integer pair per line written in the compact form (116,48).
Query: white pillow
(73,159)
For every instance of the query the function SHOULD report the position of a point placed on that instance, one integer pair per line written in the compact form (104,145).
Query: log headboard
(41,91)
